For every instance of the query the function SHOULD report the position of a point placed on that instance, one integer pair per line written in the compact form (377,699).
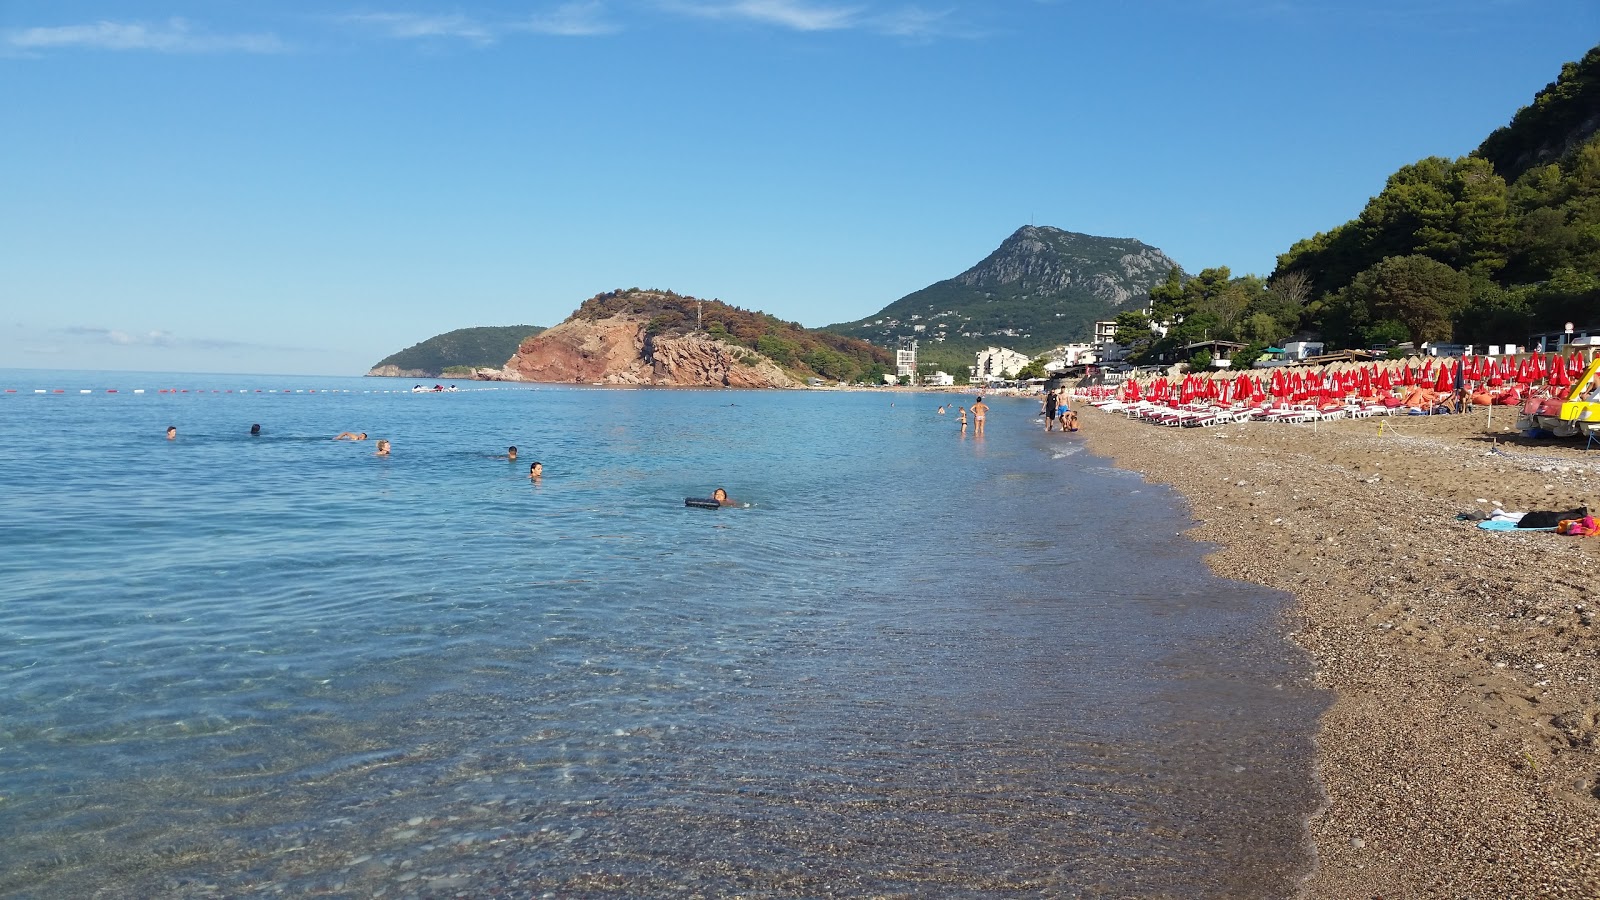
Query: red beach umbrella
(1445,381)
(1384,384)
(1574,366)
(1558,376)
(1407,378)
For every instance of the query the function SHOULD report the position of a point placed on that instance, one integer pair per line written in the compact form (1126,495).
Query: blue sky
(285,187)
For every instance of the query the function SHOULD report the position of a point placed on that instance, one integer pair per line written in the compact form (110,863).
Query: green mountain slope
(465,347)
(1041,288)
(1515,227)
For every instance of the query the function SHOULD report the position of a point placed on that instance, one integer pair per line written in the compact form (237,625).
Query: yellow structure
(1582,406)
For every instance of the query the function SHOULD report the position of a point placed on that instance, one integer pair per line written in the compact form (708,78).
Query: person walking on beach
(980,410)
(1050,411)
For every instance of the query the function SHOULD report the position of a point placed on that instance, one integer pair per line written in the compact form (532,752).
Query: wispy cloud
(168,340)
(806,15)
(794,14)
(172,36)
(412,26)
(578,19)
(570,20)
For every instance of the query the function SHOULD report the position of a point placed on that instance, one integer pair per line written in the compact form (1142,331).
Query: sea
(912,663)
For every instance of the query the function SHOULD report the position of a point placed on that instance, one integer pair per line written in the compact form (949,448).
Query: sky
(305,188)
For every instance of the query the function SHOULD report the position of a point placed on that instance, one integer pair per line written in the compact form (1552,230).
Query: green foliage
(1420,293)
(462,349)
(1246,356)
(1201,361)
(1034,369)
(1535,133)
(1527,249)
(805,352)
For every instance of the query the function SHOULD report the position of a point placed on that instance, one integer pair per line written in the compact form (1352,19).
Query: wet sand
(1461,756)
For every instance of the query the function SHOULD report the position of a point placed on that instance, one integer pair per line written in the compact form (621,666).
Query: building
(941,379)
(905,359)
(995,362)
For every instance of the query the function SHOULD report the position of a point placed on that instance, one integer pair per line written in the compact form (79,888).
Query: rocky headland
(620,349)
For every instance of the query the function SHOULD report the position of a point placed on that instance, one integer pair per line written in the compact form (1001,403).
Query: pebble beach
(1459,757)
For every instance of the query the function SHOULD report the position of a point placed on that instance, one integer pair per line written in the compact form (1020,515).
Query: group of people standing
(1057,412)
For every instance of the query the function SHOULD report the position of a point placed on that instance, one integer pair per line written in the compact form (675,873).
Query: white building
(941,379)
(905,359)
(1071,355)
(995,362)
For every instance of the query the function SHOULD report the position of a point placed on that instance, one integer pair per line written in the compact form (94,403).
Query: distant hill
(1041,288)
(464,348)
(666,319)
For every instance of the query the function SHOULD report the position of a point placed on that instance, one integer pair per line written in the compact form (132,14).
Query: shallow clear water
(919,664)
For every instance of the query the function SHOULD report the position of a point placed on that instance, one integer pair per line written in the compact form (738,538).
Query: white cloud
(168,340)
(794,14)
(411,26)
(173,36)
(804,15)
(569,20)
(577,19)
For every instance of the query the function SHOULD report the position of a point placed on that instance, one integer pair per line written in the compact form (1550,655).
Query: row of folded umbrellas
(1529,374)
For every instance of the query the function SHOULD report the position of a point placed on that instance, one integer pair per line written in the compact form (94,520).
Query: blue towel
(1507,525)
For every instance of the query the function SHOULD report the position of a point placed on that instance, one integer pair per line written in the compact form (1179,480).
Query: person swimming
(383,447)
(350,436)
(535,469)
(511,453)
(172,432)
(255,430)
(722,498)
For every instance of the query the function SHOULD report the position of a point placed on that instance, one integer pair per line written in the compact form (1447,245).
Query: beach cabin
(1221,352)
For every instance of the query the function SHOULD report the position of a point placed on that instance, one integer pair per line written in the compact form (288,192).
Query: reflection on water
(920,665)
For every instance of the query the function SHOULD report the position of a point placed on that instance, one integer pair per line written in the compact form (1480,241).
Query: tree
(1420,293)
(1034,369)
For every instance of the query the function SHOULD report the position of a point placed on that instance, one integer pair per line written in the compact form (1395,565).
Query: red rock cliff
(616,350)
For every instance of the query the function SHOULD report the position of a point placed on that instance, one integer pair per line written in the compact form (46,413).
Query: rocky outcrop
(619,350)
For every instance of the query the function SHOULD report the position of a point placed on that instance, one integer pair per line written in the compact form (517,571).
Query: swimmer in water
(172,432)
(255,430)
(511,453)
(536,470)
(721,496)
(350,436)
(383,447)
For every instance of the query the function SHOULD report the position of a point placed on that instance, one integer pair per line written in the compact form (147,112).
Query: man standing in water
(980,411)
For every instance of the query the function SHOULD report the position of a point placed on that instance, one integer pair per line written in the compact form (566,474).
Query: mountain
(1041,288)
(662,338)
(464,348)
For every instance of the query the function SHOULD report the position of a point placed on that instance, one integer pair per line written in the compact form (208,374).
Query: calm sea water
(918,665)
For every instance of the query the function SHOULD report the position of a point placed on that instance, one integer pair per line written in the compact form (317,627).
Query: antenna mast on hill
(699,323)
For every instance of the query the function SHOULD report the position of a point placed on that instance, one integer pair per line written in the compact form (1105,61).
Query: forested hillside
(1486,248)
(464,348)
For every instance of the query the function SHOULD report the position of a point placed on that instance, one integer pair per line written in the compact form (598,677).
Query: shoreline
(1460,756)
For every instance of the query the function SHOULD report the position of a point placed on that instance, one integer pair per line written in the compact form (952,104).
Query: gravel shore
(1461,755)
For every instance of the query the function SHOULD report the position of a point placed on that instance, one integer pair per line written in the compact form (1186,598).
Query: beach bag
(1583,527)
(1545,519)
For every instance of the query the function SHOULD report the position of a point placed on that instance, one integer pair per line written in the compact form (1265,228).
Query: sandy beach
(1459,757)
